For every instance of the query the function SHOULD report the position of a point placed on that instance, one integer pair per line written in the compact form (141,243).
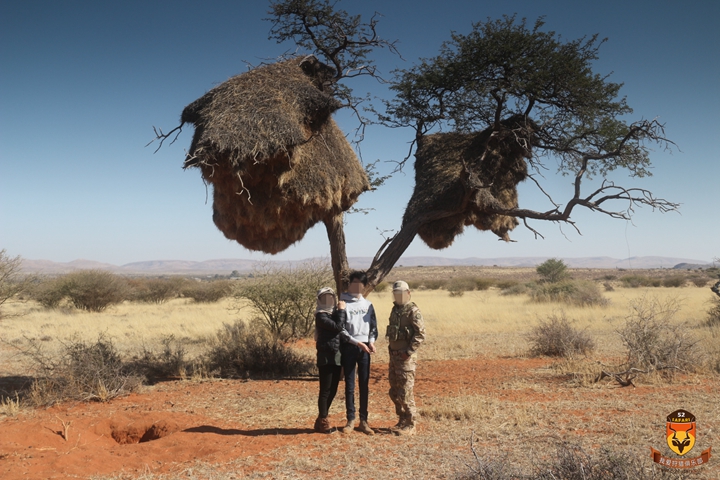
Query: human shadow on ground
(250,433)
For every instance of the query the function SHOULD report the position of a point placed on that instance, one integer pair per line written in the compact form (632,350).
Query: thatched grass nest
(470,175)
(278,163)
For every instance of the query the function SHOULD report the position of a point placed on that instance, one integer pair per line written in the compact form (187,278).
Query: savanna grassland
(486,403)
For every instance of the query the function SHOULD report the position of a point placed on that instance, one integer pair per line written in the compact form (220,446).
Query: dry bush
(381,287)
(654,343)
(713,318)
(637,281)
(240,352)
(674,281)
(171,362)
(94,290)
(285,298)
(207,292)
(83,371)
(580,293)
(571,462)
(48,292)
(458,286)
(12,283)
(699,281)
(556,337)
(157,290)
(516,288)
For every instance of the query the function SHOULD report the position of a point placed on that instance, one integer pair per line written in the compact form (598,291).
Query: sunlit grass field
(477,323)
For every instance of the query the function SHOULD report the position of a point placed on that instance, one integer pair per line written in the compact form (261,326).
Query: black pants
(355,360)
(329,379)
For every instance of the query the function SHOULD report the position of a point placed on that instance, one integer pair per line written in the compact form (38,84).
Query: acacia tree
(501,70)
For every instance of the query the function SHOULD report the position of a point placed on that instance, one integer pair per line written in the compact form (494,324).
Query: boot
(349,426)
(365,428)
(322,425)
(399,424)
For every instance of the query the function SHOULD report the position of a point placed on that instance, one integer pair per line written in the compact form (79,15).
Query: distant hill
(226,266)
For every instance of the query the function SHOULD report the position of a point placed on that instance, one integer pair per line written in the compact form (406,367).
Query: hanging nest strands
(277,161)
(470,175)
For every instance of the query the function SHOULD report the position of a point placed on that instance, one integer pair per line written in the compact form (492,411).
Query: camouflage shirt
(406,330)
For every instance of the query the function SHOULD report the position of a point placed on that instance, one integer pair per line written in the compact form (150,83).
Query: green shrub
(157,290)
(506,284)
(171,362)
(94,290)
(637,281)
(518,288)
(48,292)
(552,270)
(207,292)
(240,351)
(580,293)
(285,298)
(675,281)
(483,283)
(555,337)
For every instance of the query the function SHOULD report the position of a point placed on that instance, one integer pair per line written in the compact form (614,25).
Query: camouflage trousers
(402,380)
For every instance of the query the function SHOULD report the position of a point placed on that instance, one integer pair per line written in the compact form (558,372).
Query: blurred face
(356,287)
(326,301)
(401,297)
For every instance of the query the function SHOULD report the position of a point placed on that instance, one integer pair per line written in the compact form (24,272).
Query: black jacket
(328,330)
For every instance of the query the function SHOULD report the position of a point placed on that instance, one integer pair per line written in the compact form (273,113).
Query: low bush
(483,283)
(207,292)
(556,337)
(381,287)
(458,286)
(518,288)
(48,292)
(674,281)
(506,284)
(580,293)
(637,281)
(83,371)
(94,290)
(171,362)
(240,351)
(434,283)
(699,281)
(157,290)
(652,340)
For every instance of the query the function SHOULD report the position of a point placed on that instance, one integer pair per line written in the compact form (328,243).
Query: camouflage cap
(400,286)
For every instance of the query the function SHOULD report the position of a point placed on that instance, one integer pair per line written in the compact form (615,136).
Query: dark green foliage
(207,292)
(556,337)
(94,290)
(240,352)
(552,270)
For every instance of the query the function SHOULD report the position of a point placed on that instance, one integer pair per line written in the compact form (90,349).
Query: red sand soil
(169,427)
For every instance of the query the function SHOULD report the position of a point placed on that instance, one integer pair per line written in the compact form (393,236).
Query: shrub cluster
(240,352)
(207,292)
(157,290)
(581,293)
(637,281)
(556,337)
(653,342)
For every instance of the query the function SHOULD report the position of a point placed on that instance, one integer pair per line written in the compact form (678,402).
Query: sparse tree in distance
(552,270)
(12,282)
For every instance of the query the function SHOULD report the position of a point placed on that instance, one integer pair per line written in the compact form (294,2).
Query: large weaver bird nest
(276,160)
(470,175)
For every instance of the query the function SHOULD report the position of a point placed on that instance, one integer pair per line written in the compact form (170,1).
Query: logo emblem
(681,431)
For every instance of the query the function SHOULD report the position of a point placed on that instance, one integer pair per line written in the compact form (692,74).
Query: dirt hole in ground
(141,432)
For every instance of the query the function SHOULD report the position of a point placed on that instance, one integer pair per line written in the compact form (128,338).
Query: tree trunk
(338,257)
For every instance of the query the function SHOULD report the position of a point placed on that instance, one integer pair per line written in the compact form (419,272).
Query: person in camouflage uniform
(405,333)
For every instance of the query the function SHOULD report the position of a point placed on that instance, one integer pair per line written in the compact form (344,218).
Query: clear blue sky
(83,82)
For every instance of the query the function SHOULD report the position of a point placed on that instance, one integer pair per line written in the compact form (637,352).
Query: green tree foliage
(285,298)
(552,270)
(94,290)
(504,68)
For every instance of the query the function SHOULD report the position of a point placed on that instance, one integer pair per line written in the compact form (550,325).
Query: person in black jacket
(329,327)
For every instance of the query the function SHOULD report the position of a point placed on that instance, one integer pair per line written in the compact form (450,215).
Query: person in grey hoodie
(361,324)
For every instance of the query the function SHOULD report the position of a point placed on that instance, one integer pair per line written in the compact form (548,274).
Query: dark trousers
(355,361)
(329,379)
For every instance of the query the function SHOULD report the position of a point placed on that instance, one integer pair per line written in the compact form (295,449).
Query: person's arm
(418,325)
(340,317)
(324,321)
(372,336)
